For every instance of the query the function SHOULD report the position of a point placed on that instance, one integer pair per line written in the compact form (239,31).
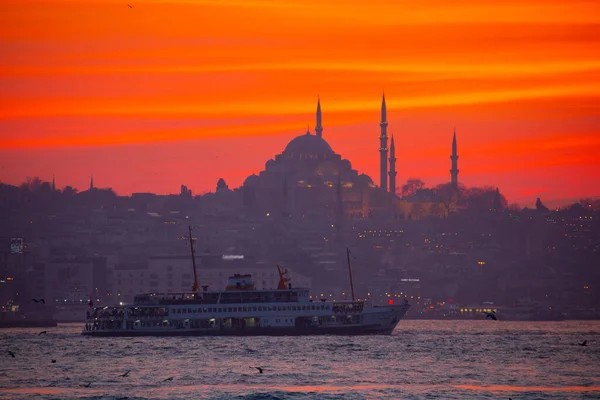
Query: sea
(420,360)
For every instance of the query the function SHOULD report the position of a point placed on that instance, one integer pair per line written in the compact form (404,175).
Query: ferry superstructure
(242,310)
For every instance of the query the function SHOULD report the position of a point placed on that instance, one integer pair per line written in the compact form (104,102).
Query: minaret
(454,158)
(91,182)
(383,150)
(53,184)
(319,127)
(392,167)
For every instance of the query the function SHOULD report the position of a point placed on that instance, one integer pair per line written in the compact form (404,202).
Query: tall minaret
(392,167)
(91,182)
(319,126)
(383,150)
(454,158)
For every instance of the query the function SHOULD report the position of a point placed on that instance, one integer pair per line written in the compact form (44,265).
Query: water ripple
(420,360)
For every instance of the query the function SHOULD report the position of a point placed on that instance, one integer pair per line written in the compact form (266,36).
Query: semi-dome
(308,144)
(252,180)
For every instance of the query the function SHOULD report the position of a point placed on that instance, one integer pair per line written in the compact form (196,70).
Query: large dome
(308,144)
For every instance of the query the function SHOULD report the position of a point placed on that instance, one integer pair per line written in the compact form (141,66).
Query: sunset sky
(185,92)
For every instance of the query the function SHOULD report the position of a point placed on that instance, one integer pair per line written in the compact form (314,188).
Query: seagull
(12,354)
(260,370)
(584,343)
(42,332)
(37,301)
(491,315)
(88,385)
(125,374)
(129,5)
(53,361)
(169,379)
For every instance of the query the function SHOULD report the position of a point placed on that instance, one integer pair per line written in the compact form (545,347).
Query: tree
(498,203)
(437,210)
(448,195)
(32,185)
(411,187)
(185,192)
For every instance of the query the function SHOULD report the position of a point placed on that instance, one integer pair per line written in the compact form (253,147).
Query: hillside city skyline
(383,179)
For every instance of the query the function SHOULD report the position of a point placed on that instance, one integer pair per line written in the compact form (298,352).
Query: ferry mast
(195,287)
(350,271)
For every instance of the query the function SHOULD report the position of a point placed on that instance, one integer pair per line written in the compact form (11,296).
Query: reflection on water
(421,359)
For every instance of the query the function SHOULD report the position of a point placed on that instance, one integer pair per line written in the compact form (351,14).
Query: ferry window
(253,308)
(244,309)
(189,310)
(289,308)
(205,309)
(229,309)
(234,309)
(303,308)
(278,308)
(260,308)
(220,309)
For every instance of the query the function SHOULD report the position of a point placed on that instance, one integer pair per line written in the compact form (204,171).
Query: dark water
(420,360)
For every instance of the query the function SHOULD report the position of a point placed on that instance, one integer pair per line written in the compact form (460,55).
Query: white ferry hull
(373,321)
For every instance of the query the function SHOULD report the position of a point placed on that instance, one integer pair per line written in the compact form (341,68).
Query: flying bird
(42,332)
(125,374)
(491,315)
(53,361)
(129,5)
(12,354)
(88,385)
(40,300)
(584,343)
(169,379)
(260,370)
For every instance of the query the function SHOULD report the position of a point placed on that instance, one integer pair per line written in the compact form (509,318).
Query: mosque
(309,179)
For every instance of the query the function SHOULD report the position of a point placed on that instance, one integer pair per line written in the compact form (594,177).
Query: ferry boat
(242,310)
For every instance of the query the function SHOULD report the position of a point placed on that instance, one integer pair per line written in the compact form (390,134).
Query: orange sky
(184,92)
